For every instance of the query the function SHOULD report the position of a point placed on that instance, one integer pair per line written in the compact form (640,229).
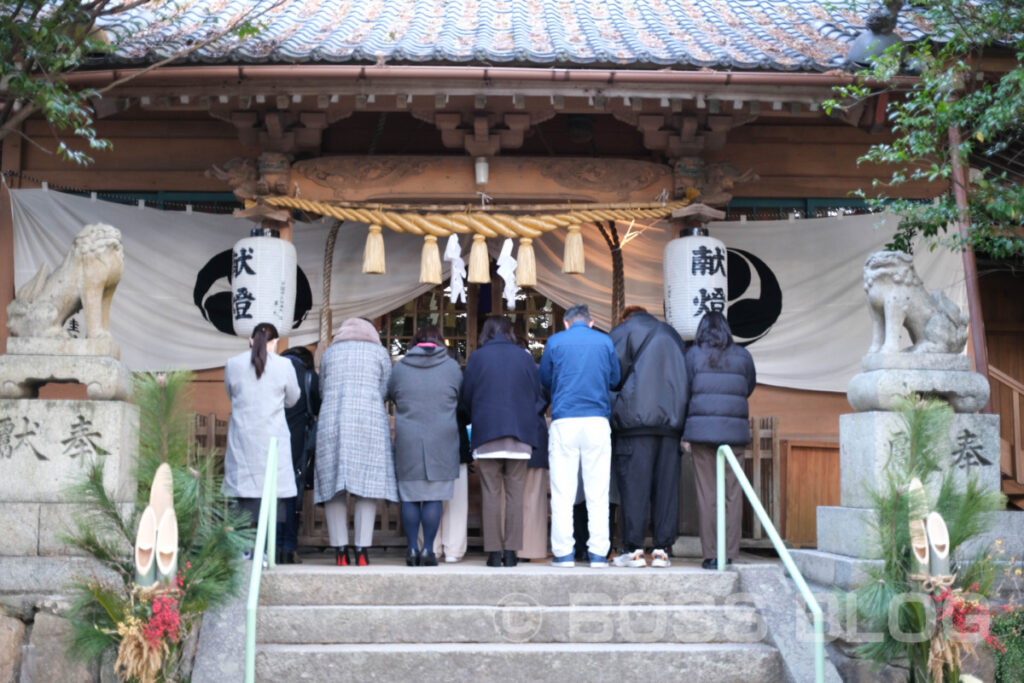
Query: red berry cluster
(164,621)
(968,617)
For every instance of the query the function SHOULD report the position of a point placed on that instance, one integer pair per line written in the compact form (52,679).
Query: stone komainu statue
(897,299)
(85,279)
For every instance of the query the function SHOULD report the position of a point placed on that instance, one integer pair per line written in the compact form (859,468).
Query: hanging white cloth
(154,316)
(507,271)
(823,329)
(453,256)
(816,342)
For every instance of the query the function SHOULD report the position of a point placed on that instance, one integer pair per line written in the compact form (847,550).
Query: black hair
(496,326)
(713,332)
(428,335)
(303,354)
(261,334)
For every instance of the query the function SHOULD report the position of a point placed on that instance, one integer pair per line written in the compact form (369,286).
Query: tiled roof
(791,35)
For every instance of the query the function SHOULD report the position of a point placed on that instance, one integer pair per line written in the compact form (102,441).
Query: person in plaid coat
(353,438)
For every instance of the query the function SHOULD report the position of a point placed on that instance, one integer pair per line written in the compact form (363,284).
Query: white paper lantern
(695,279)
(263,273)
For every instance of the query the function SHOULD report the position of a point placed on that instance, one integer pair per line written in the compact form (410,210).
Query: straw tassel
(373,254)
(526,271)
(479,262)
(573,261)
(430,262)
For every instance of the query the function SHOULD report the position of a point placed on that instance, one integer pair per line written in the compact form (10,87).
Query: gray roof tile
(794,35)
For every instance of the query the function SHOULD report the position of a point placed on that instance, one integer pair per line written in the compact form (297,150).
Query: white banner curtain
(153,316)
(823,329)
(816,343)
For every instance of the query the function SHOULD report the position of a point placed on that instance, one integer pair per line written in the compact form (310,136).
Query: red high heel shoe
(343,556)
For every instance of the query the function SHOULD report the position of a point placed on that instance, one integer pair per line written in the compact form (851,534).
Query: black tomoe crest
(754,306)
(216,308)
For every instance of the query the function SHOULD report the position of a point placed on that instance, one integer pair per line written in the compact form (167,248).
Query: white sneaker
(659,558)
(633,559)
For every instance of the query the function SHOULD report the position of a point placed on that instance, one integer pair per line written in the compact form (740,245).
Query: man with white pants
(579,368)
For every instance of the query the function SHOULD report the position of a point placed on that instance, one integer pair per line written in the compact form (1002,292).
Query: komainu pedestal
(45,447)
(931,366)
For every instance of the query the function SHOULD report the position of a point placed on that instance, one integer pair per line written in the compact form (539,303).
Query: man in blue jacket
(579,368)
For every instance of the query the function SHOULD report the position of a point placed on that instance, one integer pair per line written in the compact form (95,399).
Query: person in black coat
(648,413)
(501,398)
(301,419)
(722,377)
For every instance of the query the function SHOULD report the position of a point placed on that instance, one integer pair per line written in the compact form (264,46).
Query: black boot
(412,558)
(428,558)
(510,559)
(361,557)
(343,556)
(494,559)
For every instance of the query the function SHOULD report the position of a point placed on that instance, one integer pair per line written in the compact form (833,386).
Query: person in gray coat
(721,376)
(353,437)
(260,385)
(425,388)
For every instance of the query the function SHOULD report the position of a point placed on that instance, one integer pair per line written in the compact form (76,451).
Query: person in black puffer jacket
(648,412)
(722,376)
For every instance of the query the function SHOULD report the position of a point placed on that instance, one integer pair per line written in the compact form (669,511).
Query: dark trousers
(252,506)
(704,455)
(580,521)
(288,525)
(647,468)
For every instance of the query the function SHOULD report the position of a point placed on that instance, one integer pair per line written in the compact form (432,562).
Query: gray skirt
(420,490)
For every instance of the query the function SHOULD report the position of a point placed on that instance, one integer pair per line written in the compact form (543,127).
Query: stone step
(513,623)
(481,585)
(594,663)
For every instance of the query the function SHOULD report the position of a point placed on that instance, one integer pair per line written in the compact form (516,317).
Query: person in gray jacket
(424,386)
(260,385)
(722,376)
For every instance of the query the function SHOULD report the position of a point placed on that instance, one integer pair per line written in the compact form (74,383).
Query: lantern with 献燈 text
(263,277)
(696,281)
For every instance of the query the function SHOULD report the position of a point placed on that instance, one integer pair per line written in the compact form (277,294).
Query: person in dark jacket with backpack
(722,376)
(301,419)
(648,413)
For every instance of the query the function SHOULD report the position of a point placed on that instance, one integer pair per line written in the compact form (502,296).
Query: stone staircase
(534,622)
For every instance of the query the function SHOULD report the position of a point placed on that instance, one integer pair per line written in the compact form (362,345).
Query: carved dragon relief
(337,173)
(416,178)
(584,174)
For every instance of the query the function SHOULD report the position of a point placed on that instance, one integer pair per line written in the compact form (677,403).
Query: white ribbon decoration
(507,271)
(453,254)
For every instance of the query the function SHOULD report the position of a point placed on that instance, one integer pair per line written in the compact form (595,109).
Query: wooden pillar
(11,161)
(978,344)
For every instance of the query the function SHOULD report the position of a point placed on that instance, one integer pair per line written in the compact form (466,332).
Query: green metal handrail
(725,454)
(266,537)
